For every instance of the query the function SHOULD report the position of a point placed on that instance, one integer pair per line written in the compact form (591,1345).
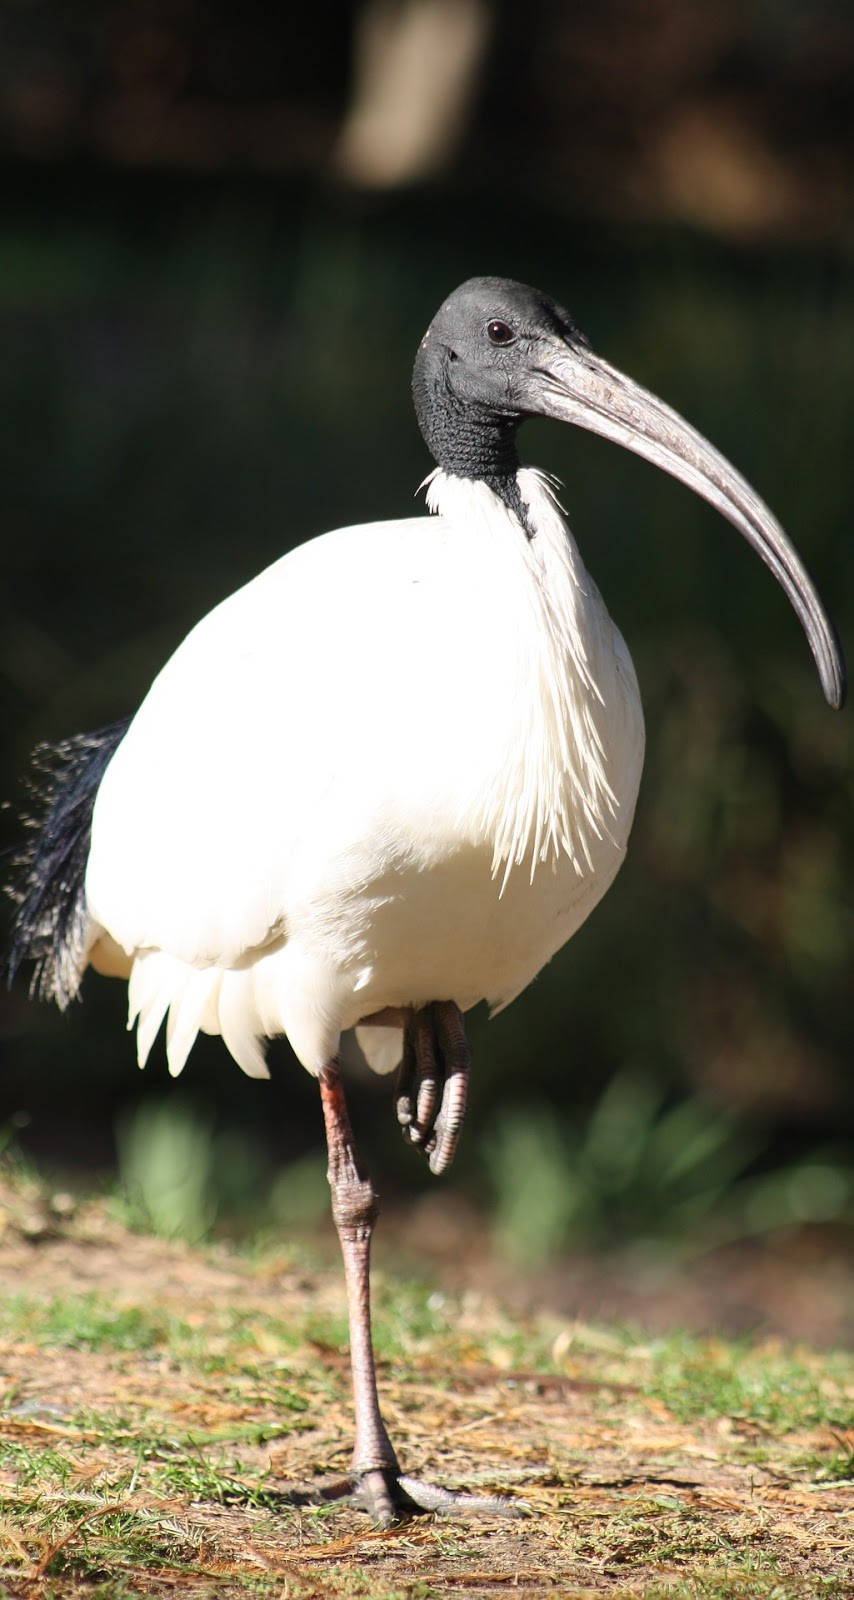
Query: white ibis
(387,779)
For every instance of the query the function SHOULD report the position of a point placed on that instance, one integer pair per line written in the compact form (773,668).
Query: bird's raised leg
(434,1072)
(377,1478)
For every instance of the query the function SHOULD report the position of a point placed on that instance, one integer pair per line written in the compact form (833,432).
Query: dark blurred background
(224,230)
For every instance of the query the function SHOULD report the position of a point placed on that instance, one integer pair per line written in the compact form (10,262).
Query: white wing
(266,737)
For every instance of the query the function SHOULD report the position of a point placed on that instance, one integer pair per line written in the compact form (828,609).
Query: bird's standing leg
(355,1210)
(377,1477)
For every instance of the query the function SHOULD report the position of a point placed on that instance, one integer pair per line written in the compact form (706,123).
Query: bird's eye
(499,333)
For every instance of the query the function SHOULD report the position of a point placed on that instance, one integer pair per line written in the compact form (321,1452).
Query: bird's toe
(433,1497)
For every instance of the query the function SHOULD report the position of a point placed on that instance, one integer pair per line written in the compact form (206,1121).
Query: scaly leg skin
(376,1477)
(436,1057)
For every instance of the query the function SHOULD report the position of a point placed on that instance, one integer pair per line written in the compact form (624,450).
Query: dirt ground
(796,1283)
(623,1498)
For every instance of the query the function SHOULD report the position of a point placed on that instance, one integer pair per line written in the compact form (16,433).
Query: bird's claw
(433,1082)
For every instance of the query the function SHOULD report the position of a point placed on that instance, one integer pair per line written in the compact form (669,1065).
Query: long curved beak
(574,385)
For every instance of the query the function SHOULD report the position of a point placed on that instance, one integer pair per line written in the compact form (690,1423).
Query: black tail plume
(49,867)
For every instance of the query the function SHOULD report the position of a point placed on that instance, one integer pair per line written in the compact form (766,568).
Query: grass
(780,1389)
(89,1322)
(161,1402)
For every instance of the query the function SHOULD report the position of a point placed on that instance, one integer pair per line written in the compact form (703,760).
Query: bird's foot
(390,1497)
(433,1497)
(433,1083)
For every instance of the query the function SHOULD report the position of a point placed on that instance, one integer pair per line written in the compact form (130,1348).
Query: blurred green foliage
(682,1175)
(197,375)
(179,1175)
(679,1176)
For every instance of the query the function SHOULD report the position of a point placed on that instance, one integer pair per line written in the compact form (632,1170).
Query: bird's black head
(476,369)
(497,352)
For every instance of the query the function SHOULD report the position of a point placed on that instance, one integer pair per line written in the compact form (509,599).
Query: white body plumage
(400,765)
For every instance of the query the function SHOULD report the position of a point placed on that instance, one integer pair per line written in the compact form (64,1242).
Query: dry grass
(162,1403)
